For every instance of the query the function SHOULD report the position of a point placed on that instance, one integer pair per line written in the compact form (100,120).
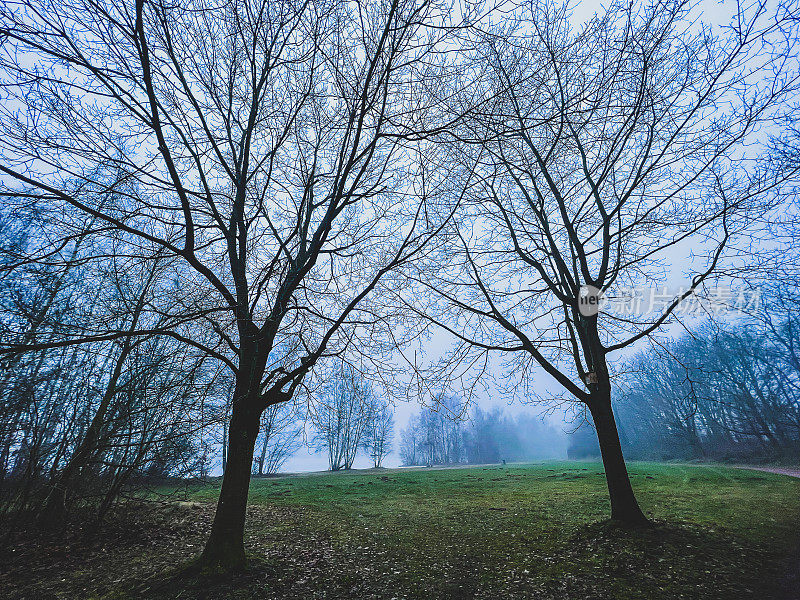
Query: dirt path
(780,470)
(789,471)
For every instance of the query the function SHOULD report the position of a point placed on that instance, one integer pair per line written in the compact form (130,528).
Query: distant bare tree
(343,417)
(379,435)
(435,436)
(280,436)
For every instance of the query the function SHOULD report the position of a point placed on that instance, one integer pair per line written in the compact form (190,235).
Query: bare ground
(779,470)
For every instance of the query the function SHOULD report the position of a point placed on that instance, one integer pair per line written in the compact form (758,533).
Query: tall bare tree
(260,144)
(602,153)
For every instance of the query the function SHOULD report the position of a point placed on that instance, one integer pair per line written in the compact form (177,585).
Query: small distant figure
(504,462)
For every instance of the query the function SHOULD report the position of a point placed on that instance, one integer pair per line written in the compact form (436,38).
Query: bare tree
(281,435)
(379,434)
(261,145)
(600,153)
(343,417)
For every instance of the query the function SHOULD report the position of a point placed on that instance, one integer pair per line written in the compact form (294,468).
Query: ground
(521,531)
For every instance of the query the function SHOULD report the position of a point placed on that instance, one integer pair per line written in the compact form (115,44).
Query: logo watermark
(590,300)
(643,301)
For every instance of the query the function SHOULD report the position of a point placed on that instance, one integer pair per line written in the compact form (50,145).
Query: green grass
(521,531)
(539,529)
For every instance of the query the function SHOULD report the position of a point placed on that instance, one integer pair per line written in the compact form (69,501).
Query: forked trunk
(624,507)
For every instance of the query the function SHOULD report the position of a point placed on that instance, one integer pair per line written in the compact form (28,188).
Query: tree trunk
(224,550)
(263,456)
(624,507)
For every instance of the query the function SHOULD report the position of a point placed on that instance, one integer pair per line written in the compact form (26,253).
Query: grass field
(521,531)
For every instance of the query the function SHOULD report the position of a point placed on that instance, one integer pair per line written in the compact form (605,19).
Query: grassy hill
(518,531)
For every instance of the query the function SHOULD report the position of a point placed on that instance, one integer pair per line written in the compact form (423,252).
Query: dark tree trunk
(624,507)
(224,550)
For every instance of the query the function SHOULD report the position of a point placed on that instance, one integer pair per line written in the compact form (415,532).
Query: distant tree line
(729,392)
(446,435)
